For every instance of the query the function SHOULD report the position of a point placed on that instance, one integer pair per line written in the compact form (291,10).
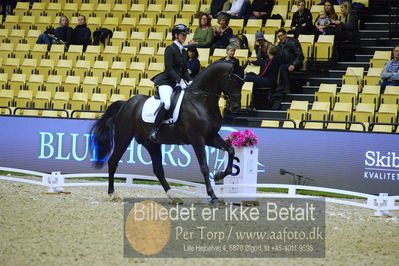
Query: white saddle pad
(151,105)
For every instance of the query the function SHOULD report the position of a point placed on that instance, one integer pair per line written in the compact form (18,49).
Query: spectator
(203,36)
(61,35)
(330,11)
(239,9)
(230,51)
(262,46)
(261,9)
(346,28)
(82,34)
(301,21)
(217,6)
(291,57)
(268,71)
(193,64)
(222,34)
(322,23)
(390,73)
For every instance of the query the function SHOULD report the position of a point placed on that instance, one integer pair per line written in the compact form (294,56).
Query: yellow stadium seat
(146,54)
(354,76)
(341,112)
(111,23)
(79,101)
(270,123)
(90,85)
(39,51)
(71,84)
(137,39)
(391,95)
(22,50)
(82,67)
(74,51)
(53,113)
(253,26)
(69,9)
(28,66)
(370,94)
(3,34)
(237,25)
(319,111)
(94,23)
(11,21)
(27,22)
(119,10)
(17,83)
(103,9)
(35,82)
(60,100)
(188,11)
(127,24)
(136,70)
(6,49)
(387,113)
(271,26)
(37,9)
(63,67)
(126,87)
(380,58)
(145,24)
(16,35)
(87,115)
(98,102)
(30,112)
(159,56)
(86,9)
(323,48)
(32,36)
(373,76)
(92,53)
(154,69)
(281,8)
(218,53)
(45,67)
(155,39)
(43,23)
(56,52)
(246,95)
(297,112)
(163,25)
(24,98)
(145,87)
(306,42)
(10,65)
(53,9)
(42,99)
(326,93)
(127,54)
(348,94)
(99,68)
(136,10)
(108,85)
(110,53)
(315,10)
(53,83)
(21,8)
(118,38)
(3,80)
(171,11)
(364,112)
(118,69)
(117,97)
(203,56)
(6,98)
(154,10)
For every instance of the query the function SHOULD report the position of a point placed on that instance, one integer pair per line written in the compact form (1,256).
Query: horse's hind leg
(218,142)
(156,157)
(122,141)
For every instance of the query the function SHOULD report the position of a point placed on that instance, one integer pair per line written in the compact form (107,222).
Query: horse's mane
(213,69)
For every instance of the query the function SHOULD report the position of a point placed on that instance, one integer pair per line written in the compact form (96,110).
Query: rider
(174,76)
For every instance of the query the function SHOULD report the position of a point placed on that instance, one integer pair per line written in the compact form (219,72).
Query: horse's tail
(102,134)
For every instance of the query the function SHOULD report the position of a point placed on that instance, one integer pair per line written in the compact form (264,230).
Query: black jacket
(350,27)
(262,6)
(175,67)
(81,35)
(291,52)
(237,69)
(298,20)
(65,34)
(270,68)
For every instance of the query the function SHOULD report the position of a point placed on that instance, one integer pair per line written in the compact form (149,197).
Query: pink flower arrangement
(242,139)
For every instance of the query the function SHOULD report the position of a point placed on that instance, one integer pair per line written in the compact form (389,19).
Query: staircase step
(363,57)
(374,33)
(299,97)
(375,25)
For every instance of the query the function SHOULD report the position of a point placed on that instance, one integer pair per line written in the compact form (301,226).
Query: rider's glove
(189,83)
(183,84)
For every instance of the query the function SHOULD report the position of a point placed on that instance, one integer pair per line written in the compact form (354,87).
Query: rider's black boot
(160,117)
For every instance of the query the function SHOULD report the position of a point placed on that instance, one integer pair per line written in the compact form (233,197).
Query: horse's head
(231,87)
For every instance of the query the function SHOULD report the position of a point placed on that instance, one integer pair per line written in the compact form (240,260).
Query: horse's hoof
(113,196)
(217,202)
(218,176)
(177,201)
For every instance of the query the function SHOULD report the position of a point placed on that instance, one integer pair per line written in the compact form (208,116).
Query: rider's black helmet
(180,28)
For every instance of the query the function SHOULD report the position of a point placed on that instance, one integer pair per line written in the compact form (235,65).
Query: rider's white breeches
(165,91)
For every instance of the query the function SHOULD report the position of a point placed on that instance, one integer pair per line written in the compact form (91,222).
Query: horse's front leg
(199,148)
(218,142)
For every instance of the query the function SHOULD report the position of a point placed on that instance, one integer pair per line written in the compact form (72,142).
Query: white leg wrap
(171,194)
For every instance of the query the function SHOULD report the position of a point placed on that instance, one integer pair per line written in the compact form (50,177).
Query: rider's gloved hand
(183,84)
(189,83)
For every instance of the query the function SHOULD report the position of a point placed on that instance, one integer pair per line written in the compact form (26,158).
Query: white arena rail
(56,182)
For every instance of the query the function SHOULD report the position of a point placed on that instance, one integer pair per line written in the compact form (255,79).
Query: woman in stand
(61,35)
(193,64)
(175,75)
(222,34)
(203,36)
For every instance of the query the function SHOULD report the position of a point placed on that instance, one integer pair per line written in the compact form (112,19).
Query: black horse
(198,124)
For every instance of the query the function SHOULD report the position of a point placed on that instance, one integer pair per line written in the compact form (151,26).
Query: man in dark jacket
(82,34)
(61,35)
(301,21)
(291,57)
